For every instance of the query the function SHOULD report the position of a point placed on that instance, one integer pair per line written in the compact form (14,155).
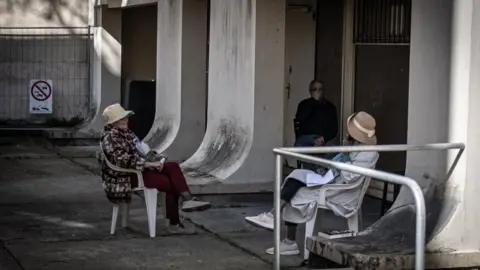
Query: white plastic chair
(354,221)
(150,201)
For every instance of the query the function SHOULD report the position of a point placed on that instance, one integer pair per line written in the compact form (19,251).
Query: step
(387,244)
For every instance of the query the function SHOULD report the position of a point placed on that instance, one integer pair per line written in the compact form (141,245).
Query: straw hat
(361,127)
(115,112)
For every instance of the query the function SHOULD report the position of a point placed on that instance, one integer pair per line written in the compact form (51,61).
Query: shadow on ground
(55,216)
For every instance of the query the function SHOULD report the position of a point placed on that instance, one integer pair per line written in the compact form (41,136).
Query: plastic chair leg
(151,203)
(309,227)
(114,218)
(355,221)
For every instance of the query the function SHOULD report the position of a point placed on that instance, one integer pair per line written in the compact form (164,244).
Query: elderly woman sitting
(120,146)
(299,196)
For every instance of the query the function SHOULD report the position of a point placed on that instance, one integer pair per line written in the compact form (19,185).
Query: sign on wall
(41,92)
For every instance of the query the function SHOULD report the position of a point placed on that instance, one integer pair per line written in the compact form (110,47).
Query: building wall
(59,54)
(42,13)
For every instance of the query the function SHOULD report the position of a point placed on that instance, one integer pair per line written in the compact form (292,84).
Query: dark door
(140,98)
(381,89)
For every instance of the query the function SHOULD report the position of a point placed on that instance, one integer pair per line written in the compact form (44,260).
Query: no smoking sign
(41,92)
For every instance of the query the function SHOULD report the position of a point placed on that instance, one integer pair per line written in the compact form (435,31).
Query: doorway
(299,63)
(381,89)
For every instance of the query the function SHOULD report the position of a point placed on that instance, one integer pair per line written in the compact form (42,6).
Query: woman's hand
(151,164)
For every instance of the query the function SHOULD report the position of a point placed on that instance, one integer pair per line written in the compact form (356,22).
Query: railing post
(420,225)
(278,183)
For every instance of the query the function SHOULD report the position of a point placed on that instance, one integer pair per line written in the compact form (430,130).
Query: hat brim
(120,117)
(359,135)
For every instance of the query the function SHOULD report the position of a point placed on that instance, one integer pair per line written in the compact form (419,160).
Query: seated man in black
(316,120)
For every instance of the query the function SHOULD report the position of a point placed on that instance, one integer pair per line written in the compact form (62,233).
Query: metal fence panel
(59,54)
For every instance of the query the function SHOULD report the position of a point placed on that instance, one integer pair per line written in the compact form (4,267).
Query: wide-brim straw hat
(115,112)
(361,127)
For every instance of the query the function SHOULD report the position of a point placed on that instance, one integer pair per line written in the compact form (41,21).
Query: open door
(299,63)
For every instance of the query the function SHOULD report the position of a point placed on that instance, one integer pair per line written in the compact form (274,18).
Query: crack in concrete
(9,253)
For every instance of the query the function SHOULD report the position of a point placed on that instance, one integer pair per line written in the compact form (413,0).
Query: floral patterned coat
(119,149)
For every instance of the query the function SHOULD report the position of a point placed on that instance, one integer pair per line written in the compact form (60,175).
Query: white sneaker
(194,205)
(264,220)
(287,248)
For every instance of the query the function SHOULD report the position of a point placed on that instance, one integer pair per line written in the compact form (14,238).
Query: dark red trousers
(171,181)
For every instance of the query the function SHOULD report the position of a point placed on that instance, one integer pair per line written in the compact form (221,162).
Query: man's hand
(319,142)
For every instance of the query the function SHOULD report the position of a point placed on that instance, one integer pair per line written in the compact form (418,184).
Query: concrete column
(429,81)
(193,80)
(169,67)
(245,97)
(460,230)
(443,106)
(179,123)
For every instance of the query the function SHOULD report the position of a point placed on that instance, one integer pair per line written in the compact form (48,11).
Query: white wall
(269,91)
(459,230)
(472,185)
(42,13)
(443,107)
(105,70)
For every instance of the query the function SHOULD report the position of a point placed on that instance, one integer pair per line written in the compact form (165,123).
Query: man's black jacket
(317,117)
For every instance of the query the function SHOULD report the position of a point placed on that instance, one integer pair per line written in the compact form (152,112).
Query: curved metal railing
(300,153)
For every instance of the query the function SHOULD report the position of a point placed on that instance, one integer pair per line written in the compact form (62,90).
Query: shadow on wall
(65,21)
(66,13)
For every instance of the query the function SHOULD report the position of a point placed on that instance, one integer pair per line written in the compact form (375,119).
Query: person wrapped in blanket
(300,192)
(122,148)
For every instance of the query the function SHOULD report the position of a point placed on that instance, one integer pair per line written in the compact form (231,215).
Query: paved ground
(54,215)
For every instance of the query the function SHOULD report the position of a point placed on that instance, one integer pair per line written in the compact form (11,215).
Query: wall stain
(382,245)
(160,135)
(222,151)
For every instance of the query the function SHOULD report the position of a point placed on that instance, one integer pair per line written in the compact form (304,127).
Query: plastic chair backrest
(119,169)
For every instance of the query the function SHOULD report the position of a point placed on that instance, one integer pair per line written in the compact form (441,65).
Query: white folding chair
(150,200)
(354,221)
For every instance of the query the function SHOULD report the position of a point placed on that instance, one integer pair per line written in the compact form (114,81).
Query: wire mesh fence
(58,55)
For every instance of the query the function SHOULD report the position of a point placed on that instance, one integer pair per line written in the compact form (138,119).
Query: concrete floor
(54,215)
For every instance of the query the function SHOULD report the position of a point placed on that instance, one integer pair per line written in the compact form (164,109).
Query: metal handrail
(299,153)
